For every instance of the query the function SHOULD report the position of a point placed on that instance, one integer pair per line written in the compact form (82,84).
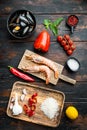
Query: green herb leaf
(53,29)
(47,22)
(57,22)
(53,25)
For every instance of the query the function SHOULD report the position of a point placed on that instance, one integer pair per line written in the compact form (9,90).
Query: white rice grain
(50,107)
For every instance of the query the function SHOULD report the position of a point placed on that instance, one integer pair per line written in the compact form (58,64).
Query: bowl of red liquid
(72,21)
(21,23)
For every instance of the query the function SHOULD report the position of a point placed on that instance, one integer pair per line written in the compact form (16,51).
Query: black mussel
(21,24)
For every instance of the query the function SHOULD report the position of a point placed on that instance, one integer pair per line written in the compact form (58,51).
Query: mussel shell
(23,24)
(14,17)
(25,30)
(23,19)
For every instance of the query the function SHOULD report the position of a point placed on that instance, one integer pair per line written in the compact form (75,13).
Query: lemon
(71,112)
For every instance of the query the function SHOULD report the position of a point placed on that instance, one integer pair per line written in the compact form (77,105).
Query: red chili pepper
(30,113)
(33,107)
(34,95)
(20,74)
(25,108)
(42,42)
(32,101)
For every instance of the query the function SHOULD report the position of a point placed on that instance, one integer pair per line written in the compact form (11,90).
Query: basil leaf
(57,22)
(54,29)
(53,25)
(47,22)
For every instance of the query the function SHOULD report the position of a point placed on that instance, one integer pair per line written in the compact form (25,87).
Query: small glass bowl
(73,64)
(21,24)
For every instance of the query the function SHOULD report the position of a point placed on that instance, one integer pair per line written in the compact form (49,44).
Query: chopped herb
(53,25)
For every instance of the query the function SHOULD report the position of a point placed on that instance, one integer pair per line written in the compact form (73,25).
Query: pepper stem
(10,67)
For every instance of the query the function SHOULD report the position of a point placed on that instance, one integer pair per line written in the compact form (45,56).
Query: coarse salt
(73,64)
(50,107)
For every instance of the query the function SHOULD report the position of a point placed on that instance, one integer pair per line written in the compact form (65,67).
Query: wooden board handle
(67,79)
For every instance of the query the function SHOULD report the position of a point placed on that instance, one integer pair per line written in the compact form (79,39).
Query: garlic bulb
(17,109)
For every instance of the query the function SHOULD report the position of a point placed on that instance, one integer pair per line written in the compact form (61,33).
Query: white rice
(50,107)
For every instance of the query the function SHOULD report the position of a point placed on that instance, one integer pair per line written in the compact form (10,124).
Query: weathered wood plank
(50,7)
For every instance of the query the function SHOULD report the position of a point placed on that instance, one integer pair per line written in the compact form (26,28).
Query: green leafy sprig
(53,26)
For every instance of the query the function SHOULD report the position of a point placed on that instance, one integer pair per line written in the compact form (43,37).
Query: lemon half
(71,112)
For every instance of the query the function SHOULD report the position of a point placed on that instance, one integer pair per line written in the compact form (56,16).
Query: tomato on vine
(63,43)
(67,44)
(59,38)
(66,47)
(69,52)
(67,37)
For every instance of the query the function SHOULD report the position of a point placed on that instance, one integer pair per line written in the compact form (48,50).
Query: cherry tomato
(63,43)
(69,52)
(67,44)
(59,38)
(73,47)
(70,42)
(67,37)
(66,47)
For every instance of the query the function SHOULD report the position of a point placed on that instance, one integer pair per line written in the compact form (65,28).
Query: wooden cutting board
(25,62)
(39,117)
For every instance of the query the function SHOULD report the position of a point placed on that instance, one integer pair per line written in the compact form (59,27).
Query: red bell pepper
(42,42)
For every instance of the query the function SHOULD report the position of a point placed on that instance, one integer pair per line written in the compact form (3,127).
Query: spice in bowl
(73,64)
(21,23)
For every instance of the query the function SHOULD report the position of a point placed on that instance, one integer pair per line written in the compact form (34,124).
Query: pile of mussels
(21,24)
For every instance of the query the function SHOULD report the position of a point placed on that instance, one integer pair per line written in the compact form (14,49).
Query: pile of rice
(50,107)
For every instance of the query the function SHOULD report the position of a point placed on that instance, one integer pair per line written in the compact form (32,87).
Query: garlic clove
(22,97)
(12,99)
(11,106)
(24,91)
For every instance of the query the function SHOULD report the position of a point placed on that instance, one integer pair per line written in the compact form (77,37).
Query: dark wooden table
(11,51)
